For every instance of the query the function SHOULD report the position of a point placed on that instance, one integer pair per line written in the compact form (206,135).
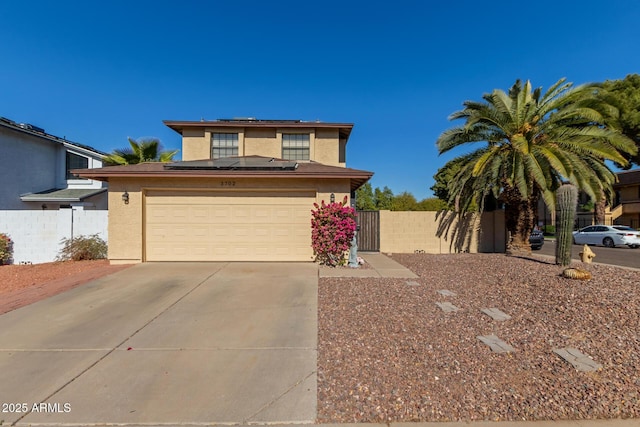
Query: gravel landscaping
(386,352)
(21,285)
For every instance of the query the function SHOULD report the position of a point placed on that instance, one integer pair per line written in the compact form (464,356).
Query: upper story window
(224,145)
(75,161)
(295,146)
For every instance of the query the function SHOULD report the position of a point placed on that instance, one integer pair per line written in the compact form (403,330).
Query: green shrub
(588,207)
(6,249)
(549,230)
(83,248)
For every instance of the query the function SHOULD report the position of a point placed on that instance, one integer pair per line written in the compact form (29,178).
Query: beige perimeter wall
(441,232)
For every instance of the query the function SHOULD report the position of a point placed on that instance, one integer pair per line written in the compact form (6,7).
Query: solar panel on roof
(234,163)
(224,162)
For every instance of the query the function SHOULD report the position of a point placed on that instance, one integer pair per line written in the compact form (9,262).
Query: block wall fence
(441,232)
(36,234)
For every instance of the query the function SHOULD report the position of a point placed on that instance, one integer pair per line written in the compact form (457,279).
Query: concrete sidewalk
(381,266)
(555,423)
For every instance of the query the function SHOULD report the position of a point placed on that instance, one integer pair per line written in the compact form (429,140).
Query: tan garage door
(208,226)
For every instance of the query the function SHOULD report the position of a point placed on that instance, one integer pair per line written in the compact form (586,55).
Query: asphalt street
(620,255)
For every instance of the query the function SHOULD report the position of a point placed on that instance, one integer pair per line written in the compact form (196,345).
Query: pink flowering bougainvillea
(332,228)
(6,249)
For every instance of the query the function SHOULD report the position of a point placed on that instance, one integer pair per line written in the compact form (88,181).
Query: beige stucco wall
(193,146)
(441,232)
(327,147)
(324,144)
(262,142)
(126,221)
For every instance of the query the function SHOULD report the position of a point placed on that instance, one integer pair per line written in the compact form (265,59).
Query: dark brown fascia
(357,178)
(178,126)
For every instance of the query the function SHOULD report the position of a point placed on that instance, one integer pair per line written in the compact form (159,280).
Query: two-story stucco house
(243,191)
(35,170)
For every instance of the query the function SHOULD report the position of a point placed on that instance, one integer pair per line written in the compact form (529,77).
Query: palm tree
(533,143)
(142,150)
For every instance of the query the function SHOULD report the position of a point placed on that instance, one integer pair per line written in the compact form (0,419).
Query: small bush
(83,248)
(6,249)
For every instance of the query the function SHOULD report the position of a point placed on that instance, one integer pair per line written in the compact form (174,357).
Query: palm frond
(520,178)
(533,142)
(141,150)
(549,199)
(167,156)
(553,91)
(503,104)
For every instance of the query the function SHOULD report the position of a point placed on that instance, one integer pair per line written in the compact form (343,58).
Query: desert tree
(531,142)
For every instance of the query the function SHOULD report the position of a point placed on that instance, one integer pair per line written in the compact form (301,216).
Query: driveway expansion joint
(112,350)
(269,404)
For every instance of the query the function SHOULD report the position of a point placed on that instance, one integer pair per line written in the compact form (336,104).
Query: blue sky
(98,72)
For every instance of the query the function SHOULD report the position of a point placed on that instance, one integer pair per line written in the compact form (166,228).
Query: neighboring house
(627,211)
(35,170)
(41,201)
(243,191)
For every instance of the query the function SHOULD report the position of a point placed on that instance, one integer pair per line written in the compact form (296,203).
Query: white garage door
(208,226)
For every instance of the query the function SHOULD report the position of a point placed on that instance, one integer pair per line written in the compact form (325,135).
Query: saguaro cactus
(567,199)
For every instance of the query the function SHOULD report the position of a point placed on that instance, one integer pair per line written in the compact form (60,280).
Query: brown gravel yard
(22,285)
(386,352)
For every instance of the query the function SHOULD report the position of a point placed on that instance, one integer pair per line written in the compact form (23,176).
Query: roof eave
(179,126)
(34,197)
(356,178)
(55,139)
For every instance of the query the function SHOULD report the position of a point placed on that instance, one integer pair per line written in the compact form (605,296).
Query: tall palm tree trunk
(600,208)
(520,217)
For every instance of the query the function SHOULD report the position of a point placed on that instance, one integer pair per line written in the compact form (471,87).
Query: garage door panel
(302,216)
(255,227)
(221,213)
(201,232)
(200,213)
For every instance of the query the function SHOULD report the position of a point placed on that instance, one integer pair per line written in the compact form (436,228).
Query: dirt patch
(386,352)
(22,285)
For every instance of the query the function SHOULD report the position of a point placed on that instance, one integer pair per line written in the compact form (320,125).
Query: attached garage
(233,209)
(225,226)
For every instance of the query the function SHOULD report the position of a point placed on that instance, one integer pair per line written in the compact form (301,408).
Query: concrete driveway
(167,343)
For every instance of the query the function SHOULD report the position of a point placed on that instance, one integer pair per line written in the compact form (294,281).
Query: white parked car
(607,235)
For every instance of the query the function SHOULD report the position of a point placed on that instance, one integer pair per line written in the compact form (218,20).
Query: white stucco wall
(37,234)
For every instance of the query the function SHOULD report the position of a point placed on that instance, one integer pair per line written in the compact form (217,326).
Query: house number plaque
(227,183)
